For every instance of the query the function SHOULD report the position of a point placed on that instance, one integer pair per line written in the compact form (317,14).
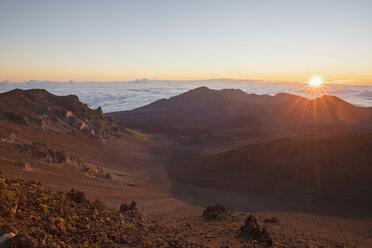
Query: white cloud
(117,96)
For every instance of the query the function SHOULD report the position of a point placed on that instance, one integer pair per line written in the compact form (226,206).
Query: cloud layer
(116,96)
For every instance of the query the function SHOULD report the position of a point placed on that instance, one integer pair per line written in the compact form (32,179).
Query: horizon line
(345,82)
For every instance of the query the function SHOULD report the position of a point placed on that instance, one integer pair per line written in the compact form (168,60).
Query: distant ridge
(206,110)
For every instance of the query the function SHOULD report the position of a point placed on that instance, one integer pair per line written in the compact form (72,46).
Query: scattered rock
(43,152)
(272,220)
(339,246)
(24,165)
(130,210)
(97,172)
(252,231)
(216,212)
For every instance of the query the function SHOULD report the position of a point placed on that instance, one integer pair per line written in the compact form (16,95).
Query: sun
(315,82)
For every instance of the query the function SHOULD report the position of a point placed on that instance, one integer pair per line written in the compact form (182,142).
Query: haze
(183,40)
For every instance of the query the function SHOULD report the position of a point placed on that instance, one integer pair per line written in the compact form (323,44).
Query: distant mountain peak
(210,109)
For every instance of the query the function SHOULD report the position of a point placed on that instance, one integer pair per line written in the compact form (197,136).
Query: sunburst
(315,82)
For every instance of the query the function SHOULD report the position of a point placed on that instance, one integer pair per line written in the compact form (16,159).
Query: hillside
(61,142)
(317,162)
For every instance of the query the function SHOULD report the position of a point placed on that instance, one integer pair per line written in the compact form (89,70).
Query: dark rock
(272,220)
(76,196)
(24,165)
(340,246)
(252,231)
(100,112)
(216,212)
(130,210)
(109,244)
(97,204)
(19,119)
(5,239)
(125,207)
(23,240)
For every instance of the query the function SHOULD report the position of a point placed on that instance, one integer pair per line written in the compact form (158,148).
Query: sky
(185,40)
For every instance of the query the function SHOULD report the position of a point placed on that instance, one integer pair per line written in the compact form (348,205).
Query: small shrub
(75,218)
(59,222)
(2,185)
(12,194)
(71,228)
(45,208)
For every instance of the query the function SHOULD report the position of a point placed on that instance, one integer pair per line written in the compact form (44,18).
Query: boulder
(272,220)
(130,210)
(126,207)
(252,231)
(216,212)
(23,240)
(77,196)
(5,238)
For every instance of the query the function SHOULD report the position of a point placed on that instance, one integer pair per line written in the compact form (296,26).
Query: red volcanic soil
(107,155)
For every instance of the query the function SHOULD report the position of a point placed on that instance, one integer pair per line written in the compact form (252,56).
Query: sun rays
(310,112)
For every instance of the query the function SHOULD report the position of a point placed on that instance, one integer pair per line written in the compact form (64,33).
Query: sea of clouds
(116,96)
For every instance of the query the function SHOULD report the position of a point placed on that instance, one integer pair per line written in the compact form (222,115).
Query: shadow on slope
(324,175)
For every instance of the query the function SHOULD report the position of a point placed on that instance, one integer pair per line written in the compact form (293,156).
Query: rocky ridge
(43,153)
(38,108)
